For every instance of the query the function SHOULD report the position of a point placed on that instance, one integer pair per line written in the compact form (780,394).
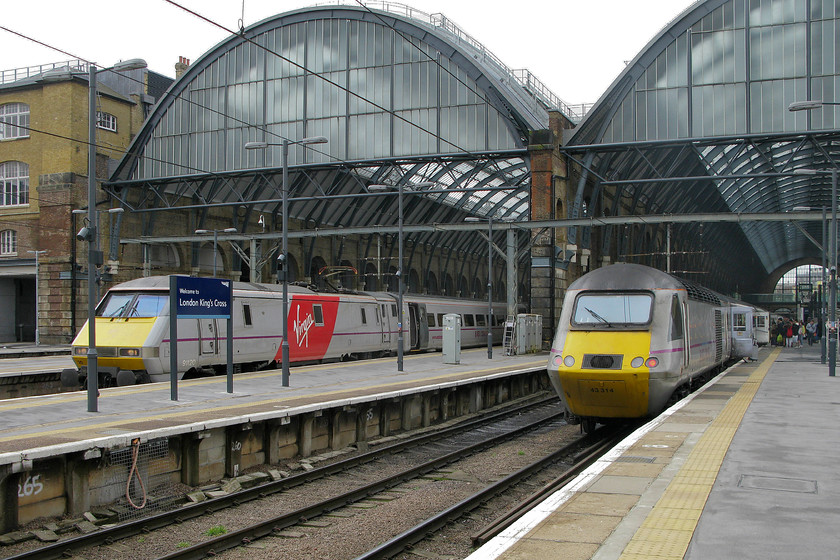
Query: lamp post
(89,233)
(489,283)
(283,256)
(400,317)
(215,233)
(810,105)
(832,254)
(37,322)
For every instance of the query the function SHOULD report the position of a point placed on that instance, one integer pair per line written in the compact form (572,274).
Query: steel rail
(421,531)
(110,535)
(280,522)
(582,461)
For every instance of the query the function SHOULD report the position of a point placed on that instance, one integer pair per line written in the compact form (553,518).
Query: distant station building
(691,140)
(43,173)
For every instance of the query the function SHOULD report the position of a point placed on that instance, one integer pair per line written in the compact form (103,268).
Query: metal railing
(15,74)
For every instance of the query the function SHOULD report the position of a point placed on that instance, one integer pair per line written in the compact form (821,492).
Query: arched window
(14,121)
(8,242)
(14,183)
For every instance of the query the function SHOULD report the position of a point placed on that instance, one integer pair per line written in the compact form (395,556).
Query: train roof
(162,283)
(629,276)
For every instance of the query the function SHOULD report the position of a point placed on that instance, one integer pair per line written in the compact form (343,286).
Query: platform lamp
(89,233)
(400,317)
(489,282)
(215,233)
(283,256)
(832,267)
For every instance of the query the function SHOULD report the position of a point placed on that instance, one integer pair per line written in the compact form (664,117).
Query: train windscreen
(612,310)
(126,304)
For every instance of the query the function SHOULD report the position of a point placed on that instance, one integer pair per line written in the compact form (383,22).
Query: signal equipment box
(451,338)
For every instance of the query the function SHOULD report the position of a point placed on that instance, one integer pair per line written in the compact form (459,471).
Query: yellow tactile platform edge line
(667,531)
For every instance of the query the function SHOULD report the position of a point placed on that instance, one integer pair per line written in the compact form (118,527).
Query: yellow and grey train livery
(630,338)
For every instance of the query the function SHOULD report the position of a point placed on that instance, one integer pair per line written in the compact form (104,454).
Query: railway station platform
(745,468)
(209,433)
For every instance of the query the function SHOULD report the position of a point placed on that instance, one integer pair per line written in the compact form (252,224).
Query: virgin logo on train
(301,328)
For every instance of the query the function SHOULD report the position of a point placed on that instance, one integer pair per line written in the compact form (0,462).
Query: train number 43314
(602,389)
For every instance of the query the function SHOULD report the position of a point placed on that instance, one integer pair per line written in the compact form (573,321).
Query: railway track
(427,453)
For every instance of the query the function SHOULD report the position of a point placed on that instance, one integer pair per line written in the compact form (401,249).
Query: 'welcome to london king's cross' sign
(202,298)
(199,298)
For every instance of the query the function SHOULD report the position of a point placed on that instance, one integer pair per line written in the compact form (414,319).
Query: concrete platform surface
(34,427)
(746,468)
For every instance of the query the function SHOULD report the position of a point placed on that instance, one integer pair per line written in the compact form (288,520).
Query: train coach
(631,338)
(132,330)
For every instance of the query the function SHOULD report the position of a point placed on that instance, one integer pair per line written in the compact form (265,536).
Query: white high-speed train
(132,330)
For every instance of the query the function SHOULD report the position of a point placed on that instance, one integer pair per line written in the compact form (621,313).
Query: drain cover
(777,483)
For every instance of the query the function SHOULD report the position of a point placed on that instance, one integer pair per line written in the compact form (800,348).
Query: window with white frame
(14,121)
(14,183)
(106,121)
(8,242)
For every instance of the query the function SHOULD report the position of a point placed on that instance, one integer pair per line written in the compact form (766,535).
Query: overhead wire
(263,129)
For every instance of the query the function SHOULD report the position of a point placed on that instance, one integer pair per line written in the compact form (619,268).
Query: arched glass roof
(403,98)
(699,122)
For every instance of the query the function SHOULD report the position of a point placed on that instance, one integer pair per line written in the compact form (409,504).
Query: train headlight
(557,360)
(652,362)
(130,352)
(637,362)
(80,350)
(569,361)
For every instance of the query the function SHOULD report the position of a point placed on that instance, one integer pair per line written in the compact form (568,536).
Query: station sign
(202,298)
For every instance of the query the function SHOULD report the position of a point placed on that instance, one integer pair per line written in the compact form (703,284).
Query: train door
(418,325)
(686,336)
(386,325)
(208,336)
(679,327)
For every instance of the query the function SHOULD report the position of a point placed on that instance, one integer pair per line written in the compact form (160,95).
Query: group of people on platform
(791,333)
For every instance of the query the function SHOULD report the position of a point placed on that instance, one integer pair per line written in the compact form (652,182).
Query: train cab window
(469,320)
(246,311)
(318,314)
(431,319)
(115,304)
(121,304)
(479,320)
(611,310)
(676,319)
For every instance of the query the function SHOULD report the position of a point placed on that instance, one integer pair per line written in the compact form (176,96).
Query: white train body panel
(134,333)
(629,336)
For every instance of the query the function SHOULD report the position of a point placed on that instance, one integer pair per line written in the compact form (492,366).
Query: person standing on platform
(811,329)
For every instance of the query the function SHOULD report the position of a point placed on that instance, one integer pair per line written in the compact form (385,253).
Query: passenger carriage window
(364,317)
(393,310)
(246,310)
(440,319)
(318,314)
(469,320)
(431,319)
(479,320)
(676,319)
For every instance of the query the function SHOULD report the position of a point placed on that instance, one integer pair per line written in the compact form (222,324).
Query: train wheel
(587,425)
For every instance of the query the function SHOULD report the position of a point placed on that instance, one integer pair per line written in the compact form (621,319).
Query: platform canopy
(699,121)
(402,97)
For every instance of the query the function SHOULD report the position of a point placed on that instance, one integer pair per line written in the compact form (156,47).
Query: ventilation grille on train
(698,292)
(718,336)
(602,361)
